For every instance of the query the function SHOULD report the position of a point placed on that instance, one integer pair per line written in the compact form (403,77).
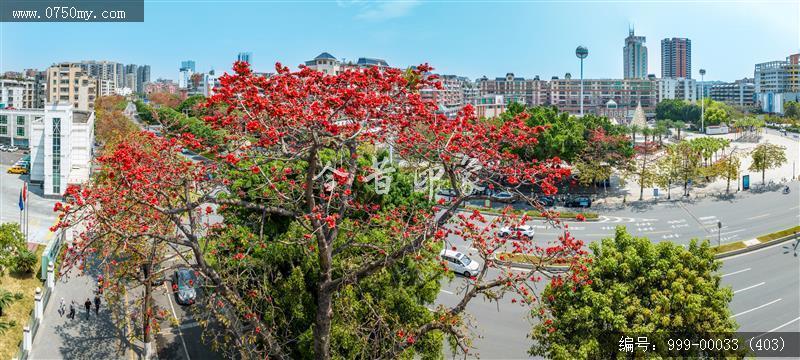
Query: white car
(12,148)
(460,263)
(3,147)
(516,231)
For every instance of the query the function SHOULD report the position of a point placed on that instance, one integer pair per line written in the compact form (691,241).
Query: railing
(50,253)
(33,321)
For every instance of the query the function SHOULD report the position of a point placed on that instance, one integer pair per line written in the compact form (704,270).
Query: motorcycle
(786,190)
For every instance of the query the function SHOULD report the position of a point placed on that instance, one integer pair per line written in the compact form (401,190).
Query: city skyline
(504,38)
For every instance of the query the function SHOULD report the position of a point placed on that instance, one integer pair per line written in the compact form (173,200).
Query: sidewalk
(94,338)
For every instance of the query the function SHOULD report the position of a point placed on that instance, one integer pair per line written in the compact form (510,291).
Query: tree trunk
(763,172)
(669,187)
(147,336)
(728,187)
(322,324)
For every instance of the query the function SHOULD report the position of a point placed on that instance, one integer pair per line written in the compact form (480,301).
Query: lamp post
(702,99)
(581,52)
(719,235)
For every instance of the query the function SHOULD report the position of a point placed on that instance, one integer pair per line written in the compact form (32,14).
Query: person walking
(71,314)
(88,306)
(97,304)
(62,307)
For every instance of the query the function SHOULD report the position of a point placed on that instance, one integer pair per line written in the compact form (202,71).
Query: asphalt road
(766,282)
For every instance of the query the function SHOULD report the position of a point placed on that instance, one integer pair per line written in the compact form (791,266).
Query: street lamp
(581,52)
(702,99)
(719,235)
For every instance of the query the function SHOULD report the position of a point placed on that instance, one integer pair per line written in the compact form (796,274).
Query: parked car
(3,147)
(546,200)
(578,201)
(517,231)
(12,148)
(16,169)
(184,282)
(503,197)
(446,194)
(460,263)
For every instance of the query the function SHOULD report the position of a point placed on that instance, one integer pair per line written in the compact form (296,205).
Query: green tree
(668,169)
(677,109)
(791,109)
(767,156)
(6,299)
(634,287)
(729,167)
(689,158)
(12,241)
(189,106)
(25,261)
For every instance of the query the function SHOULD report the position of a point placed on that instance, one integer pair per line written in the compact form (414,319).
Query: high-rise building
(142,77)
(130,78)
(68,83)
(105,70)
(246,57)
(676,58)
(634,57)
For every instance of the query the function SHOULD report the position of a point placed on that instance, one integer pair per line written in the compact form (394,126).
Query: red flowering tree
(315,254)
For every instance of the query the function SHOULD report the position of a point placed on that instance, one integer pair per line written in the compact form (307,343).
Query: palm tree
(634,129)
(6,298)
(679,126)
(4,326)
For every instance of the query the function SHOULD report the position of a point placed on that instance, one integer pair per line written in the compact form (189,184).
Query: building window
(3,130)
(3,119)
(20,120)
(56,155)
(20,131)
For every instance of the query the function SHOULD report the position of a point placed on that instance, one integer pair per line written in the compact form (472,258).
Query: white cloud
(380,10)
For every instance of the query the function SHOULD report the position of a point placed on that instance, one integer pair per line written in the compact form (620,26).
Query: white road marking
(756,308)
(775,329)
(757,217)
(735,272)
(180,334)
(447,292)
(473,249)
(676,221)
(706,218)
(749,287)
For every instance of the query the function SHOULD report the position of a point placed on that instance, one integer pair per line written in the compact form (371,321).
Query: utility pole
(702,100)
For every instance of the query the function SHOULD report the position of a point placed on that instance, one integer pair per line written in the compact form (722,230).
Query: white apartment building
(17,93)
(60,139)
(676,88)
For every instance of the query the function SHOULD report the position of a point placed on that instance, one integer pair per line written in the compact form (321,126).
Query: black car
(578,201)
(546,200)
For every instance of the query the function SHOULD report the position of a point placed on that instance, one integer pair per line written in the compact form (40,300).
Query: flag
(21,203)
(25,192)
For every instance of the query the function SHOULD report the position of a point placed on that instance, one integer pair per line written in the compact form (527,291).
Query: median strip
(739,247)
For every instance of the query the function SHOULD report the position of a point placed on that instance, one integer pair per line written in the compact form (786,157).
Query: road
(765,282)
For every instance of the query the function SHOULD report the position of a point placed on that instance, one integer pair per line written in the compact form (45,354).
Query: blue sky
(471,38)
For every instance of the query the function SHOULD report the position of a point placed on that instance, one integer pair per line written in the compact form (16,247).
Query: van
(459,263)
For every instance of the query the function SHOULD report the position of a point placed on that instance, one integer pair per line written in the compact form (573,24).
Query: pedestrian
(62,307)
(71,314)
(88,306)
(97,304)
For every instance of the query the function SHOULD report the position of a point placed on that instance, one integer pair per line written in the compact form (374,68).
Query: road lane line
(756,308)
(779,327)
(757,217)
(732,232)
(736,272)
(657,232)
(446,292)
(180,334)
(749,287)
(706,217)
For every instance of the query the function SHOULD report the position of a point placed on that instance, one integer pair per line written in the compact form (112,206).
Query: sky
(468,38)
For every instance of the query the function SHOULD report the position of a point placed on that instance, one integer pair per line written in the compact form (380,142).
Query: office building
(489,106)
(634,57)
(776,82)
(61,140)
(18,93)
(185,73)
(246,57)
(626,93)
(530,92)
(676,58)
(676,88)
(68,83)
(738,93)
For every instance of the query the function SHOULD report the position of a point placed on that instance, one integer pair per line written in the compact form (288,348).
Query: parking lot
(40,217)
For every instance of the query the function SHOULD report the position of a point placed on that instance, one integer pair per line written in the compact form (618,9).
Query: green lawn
(20,310)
